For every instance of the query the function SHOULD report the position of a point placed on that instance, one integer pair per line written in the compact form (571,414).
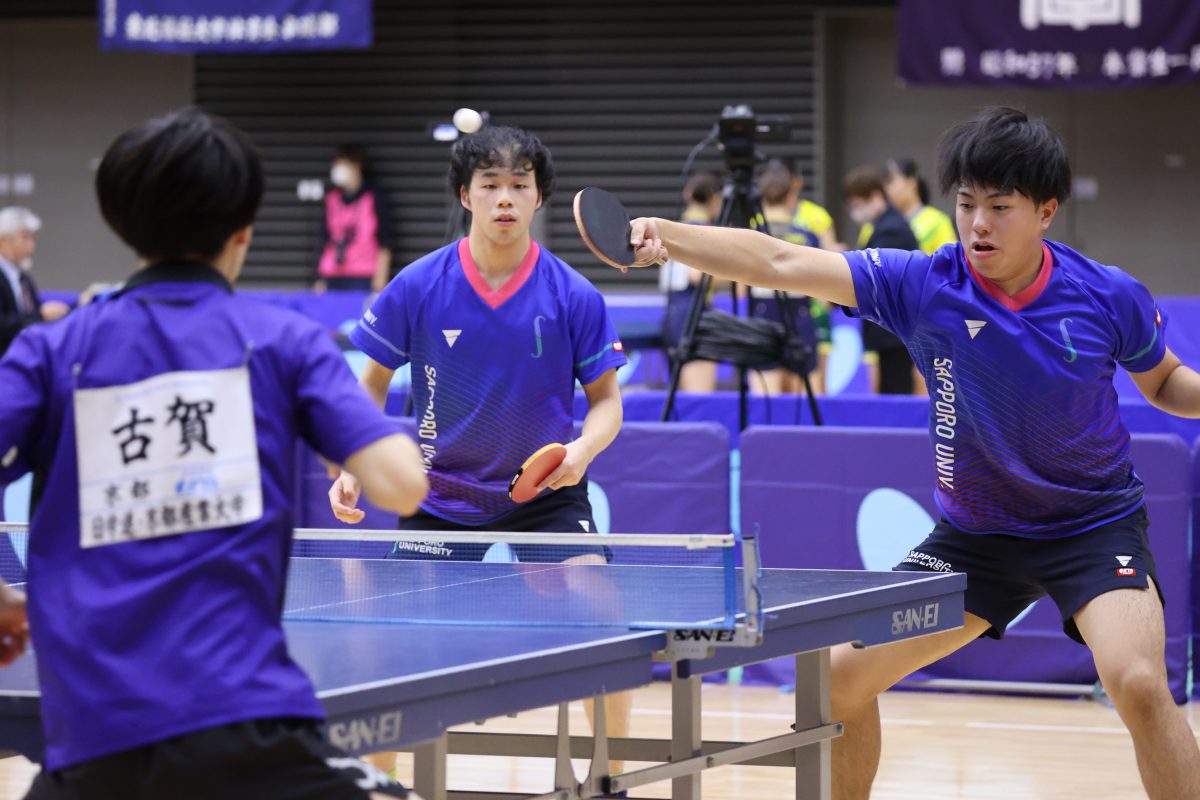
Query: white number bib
(168,455)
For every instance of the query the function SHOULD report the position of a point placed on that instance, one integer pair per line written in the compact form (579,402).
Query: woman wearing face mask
(886,357)
(356,248)
(906,190)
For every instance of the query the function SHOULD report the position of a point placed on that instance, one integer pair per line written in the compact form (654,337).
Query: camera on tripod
(739,128)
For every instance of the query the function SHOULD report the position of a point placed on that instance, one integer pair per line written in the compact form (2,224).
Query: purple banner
(234,26)
(1056,44)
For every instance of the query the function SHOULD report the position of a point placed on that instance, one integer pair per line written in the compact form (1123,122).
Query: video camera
(739,128)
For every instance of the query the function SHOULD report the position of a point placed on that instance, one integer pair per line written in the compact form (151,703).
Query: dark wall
(620,91)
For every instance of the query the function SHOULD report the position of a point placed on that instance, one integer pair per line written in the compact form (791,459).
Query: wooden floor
(936,747)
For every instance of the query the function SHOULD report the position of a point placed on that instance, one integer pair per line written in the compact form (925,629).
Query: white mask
(861,215)
(341,175)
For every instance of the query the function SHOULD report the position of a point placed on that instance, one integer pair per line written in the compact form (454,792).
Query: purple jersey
(156,612)
(1026,433)
(493,371)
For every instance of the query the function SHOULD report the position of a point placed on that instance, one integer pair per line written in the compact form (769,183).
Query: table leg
(429,769)
(813,762)
(686,736)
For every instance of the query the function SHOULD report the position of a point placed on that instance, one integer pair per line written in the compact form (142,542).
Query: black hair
(179,185)
(354,153)
(501,147)
(908,168)
(1004,149)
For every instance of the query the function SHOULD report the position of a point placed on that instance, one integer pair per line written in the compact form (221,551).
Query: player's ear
(1046,212)
(464,198)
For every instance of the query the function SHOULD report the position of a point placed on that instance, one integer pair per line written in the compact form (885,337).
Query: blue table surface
(352,654)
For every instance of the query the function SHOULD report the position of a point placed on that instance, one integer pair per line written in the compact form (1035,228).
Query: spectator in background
(702,206)
(356,250)
(907,191)
(887,359)
(794,219)
(20,305)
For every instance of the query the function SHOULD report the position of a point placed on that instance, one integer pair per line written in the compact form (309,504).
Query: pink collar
(1024,297)
(497,297)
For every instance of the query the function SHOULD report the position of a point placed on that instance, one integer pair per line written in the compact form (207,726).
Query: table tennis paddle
(604,226)
(522,487)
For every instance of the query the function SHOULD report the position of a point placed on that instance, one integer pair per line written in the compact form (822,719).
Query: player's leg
(1104,582)
(858,677)
(997,591)
(1125,631)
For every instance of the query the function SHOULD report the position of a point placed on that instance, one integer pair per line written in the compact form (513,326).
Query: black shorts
(1005,574)
(265,759)
(567,510)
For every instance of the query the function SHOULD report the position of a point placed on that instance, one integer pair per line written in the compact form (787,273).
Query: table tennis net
(497,579)
(514,579)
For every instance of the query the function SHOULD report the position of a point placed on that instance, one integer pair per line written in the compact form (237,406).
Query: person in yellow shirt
(907,192)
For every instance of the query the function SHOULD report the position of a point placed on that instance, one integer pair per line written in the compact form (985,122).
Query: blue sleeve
(336,416)
(593,336)
(889,287)
(1141,325)
(23,404)
(382,333)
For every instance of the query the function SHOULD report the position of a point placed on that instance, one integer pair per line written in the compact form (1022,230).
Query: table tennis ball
(468,120)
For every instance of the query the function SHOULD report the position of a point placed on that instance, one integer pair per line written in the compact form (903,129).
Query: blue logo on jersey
(537,331)
(1062,326)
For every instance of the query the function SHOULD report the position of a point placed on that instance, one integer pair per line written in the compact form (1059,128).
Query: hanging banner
(234,26)
(1052,44)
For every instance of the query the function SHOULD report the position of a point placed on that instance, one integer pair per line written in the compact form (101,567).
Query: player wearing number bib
(161,425)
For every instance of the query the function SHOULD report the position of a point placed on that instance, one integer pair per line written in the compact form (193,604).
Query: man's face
(502,202)
(1001,232)
(18,248)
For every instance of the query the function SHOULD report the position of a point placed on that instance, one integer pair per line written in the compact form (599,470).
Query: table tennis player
(497,330)
(1018,338)
(160,424)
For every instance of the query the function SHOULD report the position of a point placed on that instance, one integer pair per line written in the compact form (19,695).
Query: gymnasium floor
(936,747)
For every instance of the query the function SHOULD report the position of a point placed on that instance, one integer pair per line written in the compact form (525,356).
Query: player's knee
(1137,685)
(851,683)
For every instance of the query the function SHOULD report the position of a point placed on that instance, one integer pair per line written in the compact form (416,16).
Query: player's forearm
(391,474)
(754,258)
(383,266)
(602,423)
(375,380)
(1180,393)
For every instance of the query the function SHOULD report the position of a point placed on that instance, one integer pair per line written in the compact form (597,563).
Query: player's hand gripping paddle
(604,226)
(523,486)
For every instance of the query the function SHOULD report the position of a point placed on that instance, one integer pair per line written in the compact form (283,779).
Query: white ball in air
(468,120)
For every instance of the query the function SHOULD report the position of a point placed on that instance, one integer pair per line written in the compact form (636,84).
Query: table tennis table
(402,685)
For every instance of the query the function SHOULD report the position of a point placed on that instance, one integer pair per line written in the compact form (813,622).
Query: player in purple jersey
(1018,339)
(161,426)
(497,330)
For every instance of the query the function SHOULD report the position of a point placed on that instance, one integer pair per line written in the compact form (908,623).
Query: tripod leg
(682,352)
